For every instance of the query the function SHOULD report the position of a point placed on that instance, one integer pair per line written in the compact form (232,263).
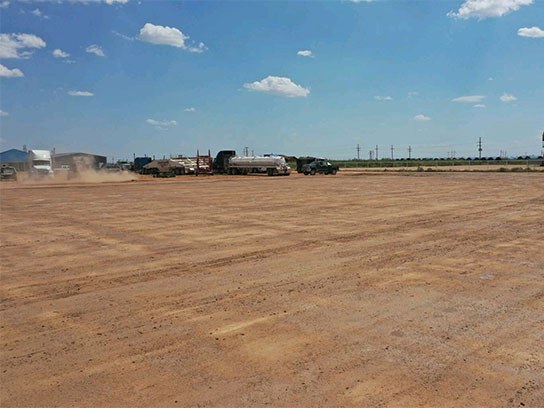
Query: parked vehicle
(8,173)
(40,163)
(227,162)
(319,166)
(301,161)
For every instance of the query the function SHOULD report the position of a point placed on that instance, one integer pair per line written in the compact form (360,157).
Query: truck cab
(40,163)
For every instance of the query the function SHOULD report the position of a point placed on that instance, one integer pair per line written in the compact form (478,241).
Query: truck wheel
(306,173)
(333,172)
(312,172)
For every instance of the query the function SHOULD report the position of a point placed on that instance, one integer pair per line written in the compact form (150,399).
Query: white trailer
(40,163)
(271,165)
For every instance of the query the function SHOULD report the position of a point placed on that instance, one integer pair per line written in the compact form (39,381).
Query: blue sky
(119,77)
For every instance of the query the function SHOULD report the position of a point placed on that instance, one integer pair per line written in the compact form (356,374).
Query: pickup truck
(319,166)
(8,173)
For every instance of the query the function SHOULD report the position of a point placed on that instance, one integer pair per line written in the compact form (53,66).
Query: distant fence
(433,163)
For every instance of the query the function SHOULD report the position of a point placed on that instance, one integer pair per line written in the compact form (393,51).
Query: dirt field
(369,290)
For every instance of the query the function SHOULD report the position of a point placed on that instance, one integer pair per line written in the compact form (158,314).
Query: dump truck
(227,162)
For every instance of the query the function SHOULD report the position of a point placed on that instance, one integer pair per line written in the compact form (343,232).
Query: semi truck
(227,162)
(40,163)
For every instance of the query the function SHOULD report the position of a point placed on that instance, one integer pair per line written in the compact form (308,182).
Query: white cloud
(161,124)
(96,50)
(38,13)
(383,98)
(488,8)
(123,36)
(411,94)
(4,4)
(60,54)
(422,118)
(10,73)
(469,98)
(508,98)
(533,32)
(110,2)
(479,105)
(160,35)
(278,86)
(14,45)
(189,109)
(361,1)
(80,93)
(2,113)
(305,53)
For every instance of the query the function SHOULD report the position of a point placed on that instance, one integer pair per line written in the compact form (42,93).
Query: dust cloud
(82,170)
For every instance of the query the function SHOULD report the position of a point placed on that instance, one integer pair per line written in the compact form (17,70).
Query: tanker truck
(227,162)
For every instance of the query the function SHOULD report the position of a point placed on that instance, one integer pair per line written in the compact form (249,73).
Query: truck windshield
(41,162)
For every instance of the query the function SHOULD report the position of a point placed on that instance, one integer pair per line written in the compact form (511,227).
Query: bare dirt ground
(354,290)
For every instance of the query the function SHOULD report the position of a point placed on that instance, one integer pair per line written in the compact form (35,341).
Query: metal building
(16,158)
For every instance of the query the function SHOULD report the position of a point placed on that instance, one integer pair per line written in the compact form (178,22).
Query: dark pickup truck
(319,166)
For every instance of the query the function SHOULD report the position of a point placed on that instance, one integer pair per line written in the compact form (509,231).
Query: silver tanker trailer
(228,163)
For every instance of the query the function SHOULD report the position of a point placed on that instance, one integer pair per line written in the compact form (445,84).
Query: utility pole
(376,152)
(480,148)
(392,149)
(246,151)
(252,153)
(409,152)
(358,152)
(370,154)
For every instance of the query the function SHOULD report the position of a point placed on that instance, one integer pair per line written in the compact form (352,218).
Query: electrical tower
(246,151)
(358,152)
(392,155)
(480,148)
(409,152)
(370,154)
(376,152)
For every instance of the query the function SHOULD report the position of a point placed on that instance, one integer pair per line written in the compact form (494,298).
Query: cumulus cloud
(383,98)
(189,109)
(2,113)
(508,98)
(161,35)
(10,73)
(305,53)
(422,118)
(479,105)
(96,50)
(80,93)
(481,9)
(162,123)
(4,4)
(278,86)
(533,32)
(110,2)
(17,45)
(57,53)
(469,98)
